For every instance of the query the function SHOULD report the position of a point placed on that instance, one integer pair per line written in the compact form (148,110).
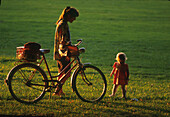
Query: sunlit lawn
(138,28)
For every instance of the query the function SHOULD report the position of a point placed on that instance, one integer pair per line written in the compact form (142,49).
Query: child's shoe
(123,98)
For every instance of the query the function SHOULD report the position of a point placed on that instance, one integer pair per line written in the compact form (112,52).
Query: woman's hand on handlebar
(79,42)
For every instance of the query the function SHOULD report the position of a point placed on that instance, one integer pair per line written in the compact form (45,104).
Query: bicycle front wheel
(25,82)
(89,83)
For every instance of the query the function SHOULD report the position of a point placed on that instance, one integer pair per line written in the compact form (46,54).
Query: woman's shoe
(60,93)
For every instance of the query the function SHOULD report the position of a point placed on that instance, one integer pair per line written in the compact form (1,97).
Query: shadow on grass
(1,115)
(111,107)
(129,104)
(3,60)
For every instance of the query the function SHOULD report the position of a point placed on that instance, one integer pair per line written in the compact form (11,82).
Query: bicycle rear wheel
(89,83)
(25,82)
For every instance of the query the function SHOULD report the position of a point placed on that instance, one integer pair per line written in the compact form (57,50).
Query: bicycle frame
(63,77)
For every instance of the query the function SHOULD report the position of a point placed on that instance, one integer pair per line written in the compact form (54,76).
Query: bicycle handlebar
(79,42)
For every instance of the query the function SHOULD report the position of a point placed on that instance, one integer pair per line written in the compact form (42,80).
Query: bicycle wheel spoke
(23,75)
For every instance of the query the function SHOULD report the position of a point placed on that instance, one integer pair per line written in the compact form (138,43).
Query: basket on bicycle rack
(29,52)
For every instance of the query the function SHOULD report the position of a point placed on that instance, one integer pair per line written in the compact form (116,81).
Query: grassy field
(140,28)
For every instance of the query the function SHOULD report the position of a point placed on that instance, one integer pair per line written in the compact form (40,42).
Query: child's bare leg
(123,91)
(114,90)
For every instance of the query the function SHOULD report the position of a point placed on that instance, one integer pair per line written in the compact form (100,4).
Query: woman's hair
(68,11)
(121,57)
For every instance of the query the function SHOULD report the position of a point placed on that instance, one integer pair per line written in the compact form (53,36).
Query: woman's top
(121,73)
(62,38)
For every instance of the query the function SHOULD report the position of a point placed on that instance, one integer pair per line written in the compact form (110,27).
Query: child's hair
(121,57)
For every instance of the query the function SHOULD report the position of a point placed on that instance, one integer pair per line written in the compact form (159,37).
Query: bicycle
(28,82)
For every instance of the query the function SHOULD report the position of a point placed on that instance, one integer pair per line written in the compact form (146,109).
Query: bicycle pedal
(48,90)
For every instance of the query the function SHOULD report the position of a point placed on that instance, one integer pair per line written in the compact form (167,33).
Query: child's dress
(120,73)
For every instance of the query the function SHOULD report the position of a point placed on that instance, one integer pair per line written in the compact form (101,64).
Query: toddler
(121,74)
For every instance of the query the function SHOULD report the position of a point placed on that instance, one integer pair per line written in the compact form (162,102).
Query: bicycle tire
(91,89)
(25,83)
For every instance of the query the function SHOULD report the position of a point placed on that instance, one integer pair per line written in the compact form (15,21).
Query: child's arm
(112,72)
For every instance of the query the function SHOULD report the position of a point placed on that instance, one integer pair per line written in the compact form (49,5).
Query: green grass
(140,28)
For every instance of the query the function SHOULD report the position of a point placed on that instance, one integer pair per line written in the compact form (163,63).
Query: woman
(62,39)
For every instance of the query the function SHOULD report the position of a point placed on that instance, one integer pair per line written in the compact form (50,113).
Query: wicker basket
(19,52)
(27,53)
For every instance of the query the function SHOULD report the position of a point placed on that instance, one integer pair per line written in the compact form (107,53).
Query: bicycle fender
(86,63)
(7,78)
(72,77)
